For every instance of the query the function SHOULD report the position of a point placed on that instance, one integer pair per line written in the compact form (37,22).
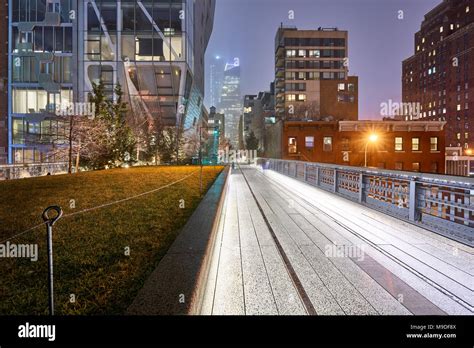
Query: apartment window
(458,136)
(467,9)
(416,166)
(341,86)
(301,97)
(415,144)
(398,144)
(315,53)
(398,165)
(292,147)
(291,97)
(291,53)
(309,142)
(441,29)
(301,53)
(327,144)
(434,143)
(351,87)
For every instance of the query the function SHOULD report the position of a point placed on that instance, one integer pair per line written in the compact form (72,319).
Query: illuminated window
(415,144)
(291,97)
(467,9)
(398,144)
(441,29)
(327,144)
(302,53)
(291,53)
(301,97)
(292,147)
(458,107)
(315,53)
(309,142)
(416,166)
(341,87)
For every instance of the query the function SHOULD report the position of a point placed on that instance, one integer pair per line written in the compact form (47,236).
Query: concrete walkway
(284,247)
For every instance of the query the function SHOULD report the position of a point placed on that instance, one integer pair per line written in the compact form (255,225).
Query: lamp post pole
(365,154)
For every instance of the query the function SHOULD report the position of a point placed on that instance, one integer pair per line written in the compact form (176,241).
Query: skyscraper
(231,101)
(440,75)
(311,75)
(216,77)
(154,49)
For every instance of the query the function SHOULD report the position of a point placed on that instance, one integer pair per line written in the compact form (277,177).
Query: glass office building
(153,48)
(231,102)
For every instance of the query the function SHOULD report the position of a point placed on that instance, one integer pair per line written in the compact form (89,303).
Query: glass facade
(148,48)
(231,103)
(41,61)
(58,48)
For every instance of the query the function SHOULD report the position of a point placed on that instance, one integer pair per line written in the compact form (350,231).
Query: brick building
(4,83)
(395,145)
(311,75)
(440,74)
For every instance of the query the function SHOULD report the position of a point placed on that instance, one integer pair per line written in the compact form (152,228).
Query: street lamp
(372,139)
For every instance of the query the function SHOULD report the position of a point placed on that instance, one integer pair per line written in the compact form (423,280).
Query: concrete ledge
(177,285)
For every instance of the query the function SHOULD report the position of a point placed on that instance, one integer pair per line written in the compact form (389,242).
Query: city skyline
(252,26)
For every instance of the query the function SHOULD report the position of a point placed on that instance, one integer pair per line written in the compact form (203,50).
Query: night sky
(378,40)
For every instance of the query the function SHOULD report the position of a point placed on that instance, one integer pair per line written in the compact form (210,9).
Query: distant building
(217,135)
(397,145)
(259,111)
(216,78)
(231,102)
(440,74)
(3,83)
(311,75)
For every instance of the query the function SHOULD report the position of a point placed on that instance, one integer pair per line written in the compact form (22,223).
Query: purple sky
(378,40)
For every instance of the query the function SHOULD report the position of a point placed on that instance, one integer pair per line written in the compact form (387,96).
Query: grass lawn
(90,260)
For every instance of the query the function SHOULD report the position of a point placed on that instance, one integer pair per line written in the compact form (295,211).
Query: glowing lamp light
(373,138)
(469,152)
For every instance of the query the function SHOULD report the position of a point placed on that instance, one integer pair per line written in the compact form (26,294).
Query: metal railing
(442,204)
(19,171)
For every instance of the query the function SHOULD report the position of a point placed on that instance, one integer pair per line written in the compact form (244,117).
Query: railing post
(361,187)
(335,181)
(305,173)
(412,204)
